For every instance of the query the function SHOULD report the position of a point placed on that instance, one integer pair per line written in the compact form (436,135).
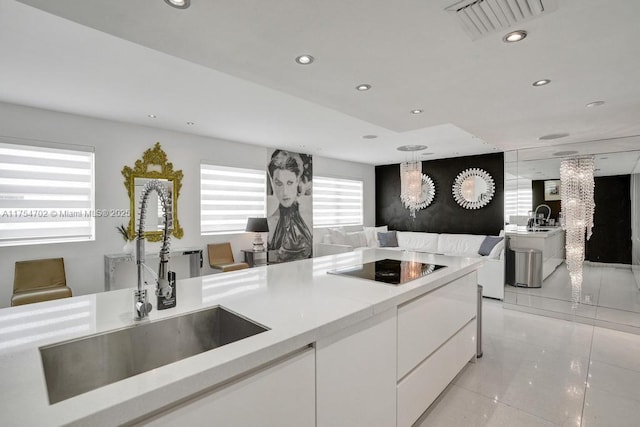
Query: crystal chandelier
(411,185)
(577,184)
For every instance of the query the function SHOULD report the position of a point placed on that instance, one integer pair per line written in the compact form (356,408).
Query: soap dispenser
(168,299)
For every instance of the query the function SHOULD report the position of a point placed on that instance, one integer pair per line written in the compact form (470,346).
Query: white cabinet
(425,323)
(418,390)
(551,243)
(356,374)
(282,394)
(436,338)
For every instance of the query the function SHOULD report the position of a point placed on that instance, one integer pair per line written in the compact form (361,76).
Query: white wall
(118,144)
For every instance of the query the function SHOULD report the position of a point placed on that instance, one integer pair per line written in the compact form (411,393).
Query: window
(46,195)
(337,201)
(228,196)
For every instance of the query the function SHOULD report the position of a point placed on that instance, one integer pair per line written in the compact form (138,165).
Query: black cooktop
(389,271)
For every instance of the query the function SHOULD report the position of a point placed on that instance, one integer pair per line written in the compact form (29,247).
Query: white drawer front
(426,323)
(419,389)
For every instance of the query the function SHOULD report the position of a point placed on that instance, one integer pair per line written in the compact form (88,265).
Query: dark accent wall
(611,238)
(444,215)
(537,188)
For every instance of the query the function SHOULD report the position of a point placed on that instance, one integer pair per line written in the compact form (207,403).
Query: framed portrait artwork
(552,190)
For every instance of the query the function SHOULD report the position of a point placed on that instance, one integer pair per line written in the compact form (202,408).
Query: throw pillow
(497,250)
(338,236)
(372,235)
(388,240)
(488,243)
(357,239)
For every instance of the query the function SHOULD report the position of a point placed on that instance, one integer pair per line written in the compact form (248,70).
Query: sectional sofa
(490,276)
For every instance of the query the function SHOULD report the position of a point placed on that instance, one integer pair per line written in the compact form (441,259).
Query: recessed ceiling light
(565,153)
(369,136)
(152,116)
(514,36)
(595,104)
(427,154)
(363,87)
(304,59)
(553,136)
(190,123)
(411,147)
(541,82)
(417,111)
(178,4)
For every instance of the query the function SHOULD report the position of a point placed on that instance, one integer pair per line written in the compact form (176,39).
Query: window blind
(228,196)
(46,195)
(518,198)
(337,201)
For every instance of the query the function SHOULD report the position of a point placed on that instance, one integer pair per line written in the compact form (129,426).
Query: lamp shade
(257,225)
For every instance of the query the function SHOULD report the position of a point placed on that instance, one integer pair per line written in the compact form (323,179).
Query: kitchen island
(549,240)
(337,349)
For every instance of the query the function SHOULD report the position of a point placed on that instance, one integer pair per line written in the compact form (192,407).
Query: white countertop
(522,231)
(298,301)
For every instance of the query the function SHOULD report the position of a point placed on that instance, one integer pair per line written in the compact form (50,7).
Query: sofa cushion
(372,235)
(488,244)
(413,241)
(459,243)
(357,239)
(388,239)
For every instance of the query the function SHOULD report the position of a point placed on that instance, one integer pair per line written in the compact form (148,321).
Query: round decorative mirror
(428,191)
(473,188)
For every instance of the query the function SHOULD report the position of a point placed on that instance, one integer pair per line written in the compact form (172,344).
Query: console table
(255,258)
(111,261)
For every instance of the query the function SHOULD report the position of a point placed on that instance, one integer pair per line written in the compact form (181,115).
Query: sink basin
(80,365)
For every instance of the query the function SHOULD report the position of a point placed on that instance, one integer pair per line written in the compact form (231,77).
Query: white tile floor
(540,371)
(608,293)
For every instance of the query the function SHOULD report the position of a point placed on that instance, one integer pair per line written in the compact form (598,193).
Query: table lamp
(257,225)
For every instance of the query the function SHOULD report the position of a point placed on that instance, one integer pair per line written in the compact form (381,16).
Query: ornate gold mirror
(153,165)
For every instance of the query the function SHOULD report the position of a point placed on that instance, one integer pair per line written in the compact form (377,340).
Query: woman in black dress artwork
(291,238)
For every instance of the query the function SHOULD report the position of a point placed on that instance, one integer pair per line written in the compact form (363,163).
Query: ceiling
(228,66)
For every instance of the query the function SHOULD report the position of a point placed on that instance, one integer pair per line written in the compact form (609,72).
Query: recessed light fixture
(514,36)
(369,136)
(595,104)
(416,111)
(541,82)
(304,59)
(190,123)
(178,4)
(553,136)
(427,154)
(363,87)
(411,148)
(152,116)
(565,153)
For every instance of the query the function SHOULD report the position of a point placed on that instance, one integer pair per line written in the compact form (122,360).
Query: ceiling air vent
(483,17)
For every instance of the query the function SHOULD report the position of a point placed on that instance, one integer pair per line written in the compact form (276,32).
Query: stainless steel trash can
(479,324)
(528,267)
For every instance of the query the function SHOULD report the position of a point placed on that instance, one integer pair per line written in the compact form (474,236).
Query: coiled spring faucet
(142,306)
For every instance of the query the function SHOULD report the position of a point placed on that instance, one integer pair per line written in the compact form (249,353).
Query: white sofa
(490,275)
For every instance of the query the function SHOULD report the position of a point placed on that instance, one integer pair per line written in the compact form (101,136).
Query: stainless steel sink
(77,366)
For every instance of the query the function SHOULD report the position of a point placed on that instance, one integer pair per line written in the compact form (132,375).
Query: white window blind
(337,202)
(46,195)
(228,196)
(518,198)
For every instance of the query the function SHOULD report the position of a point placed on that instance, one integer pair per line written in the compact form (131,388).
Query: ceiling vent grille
(482,17)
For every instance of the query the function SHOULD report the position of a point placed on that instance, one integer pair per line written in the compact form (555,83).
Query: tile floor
(609,294)
(540,371)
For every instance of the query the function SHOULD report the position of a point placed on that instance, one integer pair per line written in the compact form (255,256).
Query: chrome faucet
(142,306)
(535,214)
